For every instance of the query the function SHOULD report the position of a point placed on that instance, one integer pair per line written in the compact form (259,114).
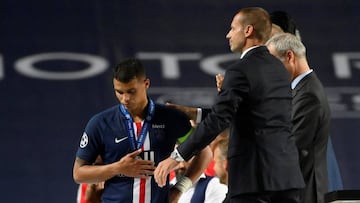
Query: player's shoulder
(106,115)
(166,111)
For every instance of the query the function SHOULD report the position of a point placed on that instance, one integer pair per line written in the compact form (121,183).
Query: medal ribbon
(137,144)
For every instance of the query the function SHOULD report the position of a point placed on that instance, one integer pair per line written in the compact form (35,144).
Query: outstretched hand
(132,166)
(163,169)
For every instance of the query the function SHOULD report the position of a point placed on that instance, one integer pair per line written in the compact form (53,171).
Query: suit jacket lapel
(302,83)
(294,92)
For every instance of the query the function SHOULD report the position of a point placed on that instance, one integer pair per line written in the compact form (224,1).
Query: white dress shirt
(299,78)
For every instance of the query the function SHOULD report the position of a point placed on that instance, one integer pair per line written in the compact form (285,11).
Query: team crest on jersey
(84,140)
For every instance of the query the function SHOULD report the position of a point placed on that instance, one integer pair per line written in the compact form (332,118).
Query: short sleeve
(90,142)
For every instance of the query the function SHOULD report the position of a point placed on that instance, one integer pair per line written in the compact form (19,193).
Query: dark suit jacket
(256,103)
(311,118)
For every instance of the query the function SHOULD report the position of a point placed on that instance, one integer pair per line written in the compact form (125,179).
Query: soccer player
(132,138)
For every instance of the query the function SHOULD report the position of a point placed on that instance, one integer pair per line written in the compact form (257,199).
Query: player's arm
(191,112)
(129,165)
(197,114)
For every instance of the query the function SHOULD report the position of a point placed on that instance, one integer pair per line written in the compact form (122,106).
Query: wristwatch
(176,156)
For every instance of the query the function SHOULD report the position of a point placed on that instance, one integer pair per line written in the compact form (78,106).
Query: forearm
(191,112)
(94,173)
(199,164)
(128,166)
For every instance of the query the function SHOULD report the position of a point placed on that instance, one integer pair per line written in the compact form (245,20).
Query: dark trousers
(285,196)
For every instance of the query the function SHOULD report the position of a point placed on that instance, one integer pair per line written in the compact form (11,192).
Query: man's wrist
(176,156)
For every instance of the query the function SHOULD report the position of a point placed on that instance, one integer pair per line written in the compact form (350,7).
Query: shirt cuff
(178,155)
(198,115)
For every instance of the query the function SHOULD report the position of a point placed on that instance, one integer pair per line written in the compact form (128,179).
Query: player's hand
(132,166)
(163,169)
(97,186)
(191,112)
(219,81)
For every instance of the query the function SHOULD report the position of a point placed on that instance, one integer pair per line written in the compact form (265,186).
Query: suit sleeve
(205,112)
(306,117)
(235,88)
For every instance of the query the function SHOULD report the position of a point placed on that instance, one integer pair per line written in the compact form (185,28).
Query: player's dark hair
(128,70)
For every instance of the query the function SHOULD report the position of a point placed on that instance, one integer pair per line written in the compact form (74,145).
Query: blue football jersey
(106,135)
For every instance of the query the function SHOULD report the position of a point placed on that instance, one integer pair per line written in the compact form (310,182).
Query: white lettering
(26,66)
(342,64)
(169,61)
(344,101)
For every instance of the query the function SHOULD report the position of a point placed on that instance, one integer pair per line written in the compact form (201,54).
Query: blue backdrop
(56,56)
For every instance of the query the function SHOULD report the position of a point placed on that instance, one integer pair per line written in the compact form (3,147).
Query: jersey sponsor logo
(120,140)
(158,126)
(84,140)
